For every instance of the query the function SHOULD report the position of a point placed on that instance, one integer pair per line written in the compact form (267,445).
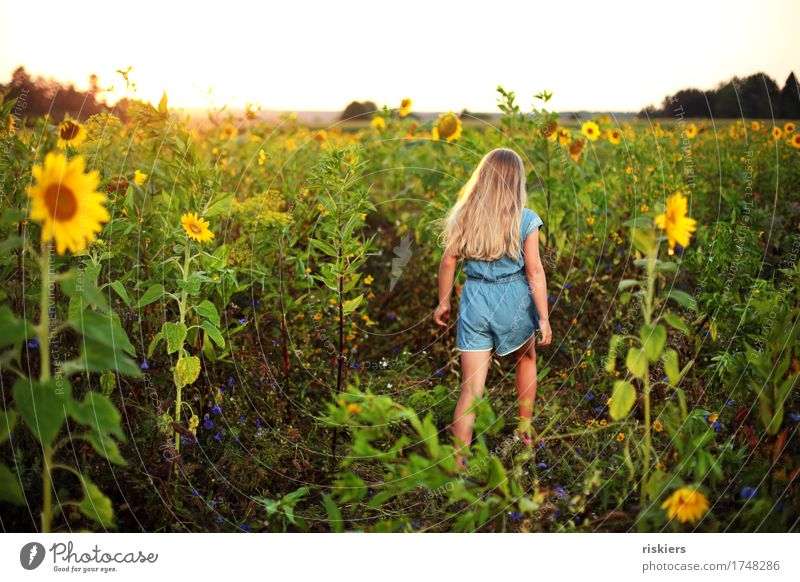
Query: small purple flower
(542,445)
(560,491)
(258,423)
(589,396)
(231,382)
(216,409)
(243,321)
(439,373)
(567,286)
(795,417)
(207,422)
(391,316)
(515,515)
(716,426)
(730,402)
(144,365)
(618,327)
(246,527)
(218,436)
(542,465)
(748,492)
(241,419)
(599,409)
(33,343)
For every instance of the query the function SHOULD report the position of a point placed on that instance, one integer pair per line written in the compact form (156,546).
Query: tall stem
(44,376)
(648,315)
(182,308)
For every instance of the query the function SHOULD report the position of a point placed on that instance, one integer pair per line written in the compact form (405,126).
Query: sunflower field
(226,325)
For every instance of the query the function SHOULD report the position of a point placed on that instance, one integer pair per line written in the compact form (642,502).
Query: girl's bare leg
(526,385)
(474,368)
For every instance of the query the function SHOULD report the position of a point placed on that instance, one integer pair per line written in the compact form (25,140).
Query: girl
(504,299)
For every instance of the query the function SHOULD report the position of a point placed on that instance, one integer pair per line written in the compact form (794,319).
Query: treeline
(38,96)
(755,97)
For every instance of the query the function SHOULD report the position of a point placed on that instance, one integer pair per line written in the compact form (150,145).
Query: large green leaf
(98,357)
(105,446)
(682,298)
(9,487)
(14,330)
(84,291)
(186,371)
(213,333)
(120,289)
(677,323)
(622,399)
(653,338)
(96,505)
(43,407)
(207,310)
(175,334)
(153,293)
(636,361)
(98,413)
(671,367)
(104,329)
(334,515)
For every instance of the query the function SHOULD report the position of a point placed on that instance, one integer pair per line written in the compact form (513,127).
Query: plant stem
(648,314)
(44,376)
(47,488)
(182,308)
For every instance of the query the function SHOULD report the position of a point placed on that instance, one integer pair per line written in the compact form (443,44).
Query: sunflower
(66,201)
(378,123)
(448,127)
(777,132)
(564,135)
(789,127)
(196,228)
(139,178)
(591,130)
(675,222)
(549,131)
(687,504)
(795,141)
(70,133)
(405,107)
(755,126)
(575,149)
(690,131)
(614,136)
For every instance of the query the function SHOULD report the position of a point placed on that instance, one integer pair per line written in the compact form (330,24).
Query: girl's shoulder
(530,221)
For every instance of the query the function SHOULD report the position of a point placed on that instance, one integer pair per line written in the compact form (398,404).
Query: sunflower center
(447,126)
(61,202)
(195,228)
(68,131)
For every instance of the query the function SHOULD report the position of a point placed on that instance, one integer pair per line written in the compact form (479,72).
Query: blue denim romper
(497,309)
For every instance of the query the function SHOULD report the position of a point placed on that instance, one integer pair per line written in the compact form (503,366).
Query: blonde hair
(484,223)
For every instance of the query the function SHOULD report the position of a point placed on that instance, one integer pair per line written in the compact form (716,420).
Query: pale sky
(445,55)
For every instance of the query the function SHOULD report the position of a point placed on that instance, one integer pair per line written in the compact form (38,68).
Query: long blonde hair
(484,223)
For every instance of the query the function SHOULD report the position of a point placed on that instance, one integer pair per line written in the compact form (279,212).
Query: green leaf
(103,329)
(9,487)
(186,371)
(644,239)
(106,447)
(8,420)
(654,337)
(206,309)
(671,366)
(613,346)
(497,476)
(622,399)
(120,289)
(628,283)
(14,330)
(334,515)
(430,435)
(154,344)
(682,298)
(108,382)
(153,292)
(213,333)
(636,361)
(98,413)
(97,357)
(84,291)
(43,406)
(96,505)
(175,334)
(677,323)
(351,305)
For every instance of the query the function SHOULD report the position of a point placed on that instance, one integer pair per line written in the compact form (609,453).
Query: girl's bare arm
(538,283)
(447,273)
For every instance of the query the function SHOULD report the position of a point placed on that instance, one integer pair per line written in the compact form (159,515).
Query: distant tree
(790,98)
(726,101)
(691,102)
(650,112)
(759,96)
(359,110)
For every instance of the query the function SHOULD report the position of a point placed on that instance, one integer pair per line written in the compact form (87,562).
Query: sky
(609,55)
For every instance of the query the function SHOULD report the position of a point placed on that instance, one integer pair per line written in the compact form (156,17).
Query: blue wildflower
(216,409)
(748,492)
(391,316)
(246,527)
(729,402)
(258,423)
(795,417)
(231,382)
(207,422)
(542,465)
(243,321)
(515,515)
(439,373)
(560,491)
(144,365)
(218,436)
(567,286)
(599,409)
(33,343)
(195,492)
(589,396)
(241,419)
(716,426)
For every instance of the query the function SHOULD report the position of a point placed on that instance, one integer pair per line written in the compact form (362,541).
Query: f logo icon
(31,555)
